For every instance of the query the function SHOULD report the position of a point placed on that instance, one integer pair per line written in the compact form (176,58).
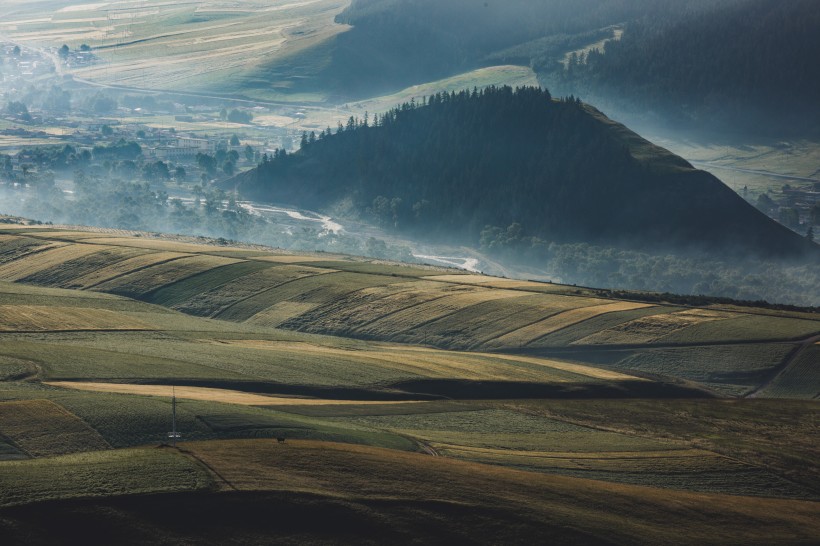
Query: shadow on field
(458,389)
(269,517)
(488,390)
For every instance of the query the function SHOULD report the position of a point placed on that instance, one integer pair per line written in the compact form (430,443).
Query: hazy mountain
(393,44)
(749,66)
(461,165)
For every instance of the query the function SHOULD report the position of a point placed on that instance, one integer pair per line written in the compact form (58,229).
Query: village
(199,140)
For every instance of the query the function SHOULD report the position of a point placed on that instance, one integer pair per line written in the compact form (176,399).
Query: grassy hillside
(530,401)
(372,495)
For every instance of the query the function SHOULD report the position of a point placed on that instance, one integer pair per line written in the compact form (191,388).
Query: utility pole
(173,435)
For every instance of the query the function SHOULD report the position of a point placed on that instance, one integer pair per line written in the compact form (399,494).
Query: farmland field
(732,369)
(33,318)
(42,428)
(372,300)
(519,382)
(800,380)
(192,47)
(98,474)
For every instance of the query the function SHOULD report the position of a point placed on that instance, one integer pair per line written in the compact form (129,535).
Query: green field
(366,369)
(99,474)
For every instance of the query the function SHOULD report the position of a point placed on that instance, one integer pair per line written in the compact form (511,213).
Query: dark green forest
(458,166)
(749,66)
(734,66)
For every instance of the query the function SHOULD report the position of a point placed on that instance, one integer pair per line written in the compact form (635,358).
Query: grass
(731,369)
(33,318)
(125,267)
(654,328)
(127,420)
(749,327)
(108,358)
(590,326)
(416,323)
(800,380)
(775,435)
(13,294)
(247,381)
(63,274)
(601,512)
(532,332)
(145,281)
(214,301)
(315,289)
(211,279)
(414,363)
(279,313)
(41,428)
(99,474)
(19,269)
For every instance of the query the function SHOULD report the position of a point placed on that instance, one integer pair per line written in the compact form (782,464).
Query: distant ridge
(456,163)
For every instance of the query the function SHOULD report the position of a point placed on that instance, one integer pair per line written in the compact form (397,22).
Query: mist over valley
(403,271)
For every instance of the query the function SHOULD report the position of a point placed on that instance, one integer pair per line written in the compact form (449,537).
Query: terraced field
(355,298)
(540,378)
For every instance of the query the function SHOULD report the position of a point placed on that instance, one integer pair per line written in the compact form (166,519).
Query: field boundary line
(149,295)
(539,338)
(784,366)
(137,270)
(444,316)
(266,290)
(208,467)
(391,313)
(483,342)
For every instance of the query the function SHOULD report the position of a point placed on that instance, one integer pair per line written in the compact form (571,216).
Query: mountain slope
(392,44)
(734,67)
(560,169)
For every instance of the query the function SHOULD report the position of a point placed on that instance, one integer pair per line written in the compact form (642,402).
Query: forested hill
(393,44)
(748,66)
(457,163)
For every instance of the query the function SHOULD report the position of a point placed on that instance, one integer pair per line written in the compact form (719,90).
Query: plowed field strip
(423,315)
(126,267)
(261,293)
(653,328)
(54,255)
(537,330)
(139,284)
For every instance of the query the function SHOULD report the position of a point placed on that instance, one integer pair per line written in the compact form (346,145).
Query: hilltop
(460,165)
